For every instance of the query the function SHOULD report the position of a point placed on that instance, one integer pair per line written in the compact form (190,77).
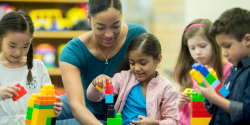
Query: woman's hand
(145,121)
(184,99)
(58,106)
(101,81)
(7,91)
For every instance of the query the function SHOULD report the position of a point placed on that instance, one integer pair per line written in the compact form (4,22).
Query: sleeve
(169,108)
(73,54)
(43,73)
(240,111)
(210,107)
(141,29)
(95,95)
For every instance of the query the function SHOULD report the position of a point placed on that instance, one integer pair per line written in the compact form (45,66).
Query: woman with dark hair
(96,52)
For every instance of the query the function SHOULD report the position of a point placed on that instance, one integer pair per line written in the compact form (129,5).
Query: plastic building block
(111,111)
(210,77)
(216,83)
(43,106)
(223,91)
(198,77)
(32,100)
(197,97)
(200,121)
(21,93)
(211,70)
(115,121)
(109,88)
(200,113)
(202,69)
(197,105)
(188,92)
(135,119)
(109,98)
(99,88)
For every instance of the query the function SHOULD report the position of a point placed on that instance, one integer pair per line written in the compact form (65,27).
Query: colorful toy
(199,114)
(46,53)
(188,92)
(135,119)
(59,50)
(200,72)
(21,93)
(109,93)
(40,107)
(115,121)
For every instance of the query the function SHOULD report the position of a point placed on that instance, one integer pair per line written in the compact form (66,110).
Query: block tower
(200,72)
(40,107)
(112,118)
(109,98)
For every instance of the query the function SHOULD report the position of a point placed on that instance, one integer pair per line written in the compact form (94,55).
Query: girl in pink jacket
(142,92)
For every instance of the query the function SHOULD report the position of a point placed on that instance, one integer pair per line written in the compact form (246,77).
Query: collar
(242,63)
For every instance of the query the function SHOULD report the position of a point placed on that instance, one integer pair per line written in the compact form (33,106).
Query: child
(232,33)
(142,92)
(197,46)
(17,66)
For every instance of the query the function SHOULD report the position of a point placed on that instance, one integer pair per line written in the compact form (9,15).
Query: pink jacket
(161,99)
(185,110)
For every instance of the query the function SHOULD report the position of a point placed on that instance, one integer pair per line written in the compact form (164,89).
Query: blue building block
(135,119)
(215,84)
(224,92)
(109,98)
(202,69)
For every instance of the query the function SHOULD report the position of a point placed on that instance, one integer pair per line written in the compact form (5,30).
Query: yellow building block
(47,90)
(200,121)
(32,100)
(38,120)
(43,113)
(197,76)
(211,70)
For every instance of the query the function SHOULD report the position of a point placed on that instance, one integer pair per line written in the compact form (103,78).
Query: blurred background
(58,21)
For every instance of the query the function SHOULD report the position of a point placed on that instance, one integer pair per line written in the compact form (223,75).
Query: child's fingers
(58,98)
(58,104)
(57,112)
(14,87)
(10,90)
(183,95)
(205,83)
(136,122)
(8,95)
(57,108)
(110,81)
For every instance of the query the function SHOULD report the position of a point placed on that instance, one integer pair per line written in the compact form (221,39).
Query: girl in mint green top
(96,52)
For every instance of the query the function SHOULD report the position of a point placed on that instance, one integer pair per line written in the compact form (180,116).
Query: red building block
(197,105)
(109,88)
(218,88)
(21,93)
(200,113)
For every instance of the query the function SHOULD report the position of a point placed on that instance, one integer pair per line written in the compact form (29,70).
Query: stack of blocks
(200,72)
(40,107)
(112,118)
(109,93)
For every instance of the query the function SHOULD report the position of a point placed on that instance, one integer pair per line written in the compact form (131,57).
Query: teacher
(93,53)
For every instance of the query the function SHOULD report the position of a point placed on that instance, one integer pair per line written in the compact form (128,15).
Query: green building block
(48,121)
(210,79)
(43,106)
(29,117)
(197,97)
(188,92)
(202,85)
(115,121)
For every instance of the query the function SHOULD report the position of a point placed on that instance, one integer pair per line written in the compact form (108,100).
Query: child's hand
(145,121)
(208,92)
(101,81)
(58,106)
(7,91)
(184,99)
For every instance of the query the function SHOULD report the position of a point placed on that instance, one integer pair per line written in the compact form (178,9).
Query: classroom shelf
(59,34)
(54,71)
(47,1)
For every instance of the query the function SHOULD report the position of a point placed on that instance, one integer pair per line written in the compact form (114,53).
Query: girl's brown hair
(185,60)
(20,22)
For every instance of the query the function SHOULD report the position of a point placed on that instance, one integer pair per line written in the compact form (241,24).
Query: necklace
(106,62)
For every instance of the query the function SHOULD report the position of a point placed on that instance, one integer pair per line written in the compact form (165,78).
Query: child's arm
(7,92)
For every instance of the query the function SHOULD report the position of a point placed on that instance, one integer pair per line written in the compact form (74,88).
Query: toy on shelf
(46,53)
(21,93)
(5,8)
(59,49)
(109,93)
(135,119)
(200,72)
(40,107)
(199,114)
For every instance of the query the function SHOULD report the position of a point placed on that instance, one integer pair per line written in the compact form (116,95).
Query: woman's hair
(185,60)
(97,6)
(147,43)
(19,22)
